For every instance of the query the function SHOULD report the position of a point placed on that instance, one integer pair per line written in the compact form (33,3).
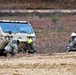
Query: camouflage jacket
(73,43)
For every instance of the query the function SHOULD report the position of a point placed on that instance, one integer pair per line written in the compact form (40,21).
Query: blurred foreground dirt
(39,64)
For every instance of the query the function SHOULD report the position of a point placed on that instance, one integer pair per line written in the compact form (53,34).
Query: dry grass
(37,4)
(27,5)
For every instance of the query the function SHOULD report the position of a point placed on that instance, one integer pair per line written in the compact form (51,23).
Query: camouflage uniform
(31,46)
(12,48)
(72,45)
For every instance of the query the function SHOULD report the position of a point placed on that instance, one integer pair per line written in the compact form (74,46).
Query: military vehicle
(12,30)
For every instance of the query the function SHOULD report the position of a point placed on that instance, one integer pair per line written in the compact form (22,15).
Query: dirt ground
(39,64)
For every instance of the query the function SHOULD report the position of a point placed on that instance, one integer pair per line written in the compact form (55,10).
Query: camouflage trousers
(12,48)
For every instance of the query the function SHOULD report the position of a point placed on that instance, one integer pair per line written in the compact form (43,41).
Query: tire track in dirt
(56,64)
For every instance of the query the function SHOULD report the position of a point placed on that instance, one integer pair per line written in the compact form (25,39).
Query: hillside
(37,4)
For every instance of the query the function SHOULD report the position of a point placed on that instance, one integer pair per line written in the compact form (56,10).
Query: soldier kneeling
(12,48)
(72,43)
(31,46)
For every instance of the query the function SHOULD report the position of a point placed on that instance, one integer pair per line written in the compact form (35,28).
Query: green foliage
(55,18)
(70,40)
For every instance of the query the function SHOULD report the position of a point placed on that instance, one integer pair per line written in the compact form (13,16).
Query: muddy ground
(51,40)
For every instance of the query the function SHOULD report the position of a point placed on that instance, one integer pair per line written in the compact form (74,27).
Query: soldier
(31,45)
(12,48)
(19,40)
(72,44)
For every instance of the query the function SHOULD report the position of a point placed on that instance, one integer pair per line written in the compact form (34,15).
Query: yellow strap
(20,40)
(30,40)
